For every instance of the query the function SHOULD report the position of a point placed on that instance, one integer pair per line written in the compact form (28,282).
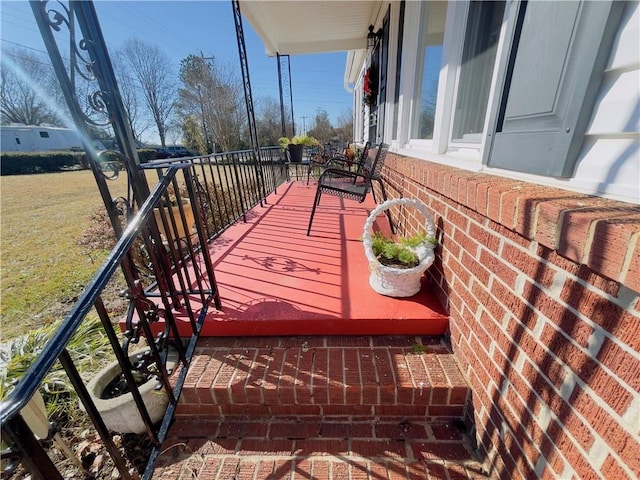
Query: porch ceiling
(310,26)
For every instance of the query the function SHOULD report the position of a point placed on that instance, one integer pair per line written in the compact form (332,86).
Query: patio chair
(337,160)
(354,185)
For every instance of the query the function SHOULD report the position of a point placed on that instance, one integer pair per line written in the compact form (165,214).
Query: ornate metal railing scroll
(73,30)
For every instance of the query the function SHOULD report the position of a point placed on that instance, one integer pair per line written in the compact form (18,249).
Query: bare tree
(25,83)
(174,131)
(229,111)
(196,78)
(212,93)
(132,99)
(344,130)
(268,120)
(152,69)
(322,128)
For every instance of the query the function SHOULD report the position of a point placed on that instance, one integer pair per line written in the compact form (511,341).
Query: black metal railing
(230,184)
(163,249)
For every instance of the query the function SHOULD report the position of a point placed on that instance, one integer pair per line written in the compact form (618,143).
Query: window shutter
(558,56)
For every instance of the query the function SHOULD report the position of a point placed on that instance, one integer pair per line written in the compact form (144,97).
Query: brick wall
(542,288)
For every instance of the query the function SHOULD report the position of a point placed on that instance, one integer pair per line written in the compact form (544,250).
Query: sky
(180,28)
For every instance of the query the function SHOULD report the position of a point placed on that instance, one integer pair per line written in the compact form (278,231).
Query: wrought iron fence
(163,253)
(231,183)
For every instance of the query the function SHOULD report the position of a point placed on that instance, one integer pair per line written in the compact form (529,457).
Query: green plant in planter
(357,149)
(305,140)
(400,253)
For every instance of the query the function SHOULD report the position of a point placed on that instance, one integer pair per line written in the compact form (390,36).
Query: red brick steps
(324,376)
(310,407)
(316,449)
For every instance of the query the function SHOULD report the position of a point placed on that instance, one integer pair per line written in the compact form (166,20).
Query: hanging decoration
(370,87)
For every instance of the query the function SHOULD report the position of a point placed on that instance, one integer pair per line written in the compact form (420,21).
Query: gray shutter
(557,61)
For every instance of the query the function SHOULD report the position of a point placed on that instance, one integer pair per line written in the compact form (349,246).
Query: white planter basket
(398,282)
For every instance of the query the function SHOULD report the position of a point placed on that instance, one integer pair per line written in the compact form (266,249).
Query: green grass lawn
(42,267)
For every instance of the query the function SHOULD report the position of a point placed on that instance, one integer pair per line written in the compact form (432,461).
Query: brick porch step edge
(276,449)
(363,376)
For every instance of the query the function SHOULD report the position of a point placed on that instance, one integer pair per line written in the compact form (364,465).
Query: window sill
(469,159)
(597,232)
(466,159)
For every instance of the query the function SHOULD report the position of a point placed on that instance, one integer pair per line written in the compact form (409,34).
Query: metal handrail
(154,263)
(14,428)
(251,180)
(34,376)
(169,289)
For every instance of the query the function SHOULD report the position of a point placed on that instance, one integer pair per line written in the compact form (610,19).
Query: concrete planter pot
(120,414)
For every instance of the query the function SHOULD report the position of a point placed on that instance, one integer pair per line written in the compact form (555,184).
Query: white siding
(609,161)
(616,109)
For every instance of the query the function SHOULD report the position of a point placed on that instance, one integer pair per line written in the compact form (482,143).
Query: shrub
(147,154)
(24,163)
(21,163)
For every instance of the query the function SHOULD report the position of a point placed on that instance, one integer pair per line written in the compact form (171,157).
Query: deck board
(276,280)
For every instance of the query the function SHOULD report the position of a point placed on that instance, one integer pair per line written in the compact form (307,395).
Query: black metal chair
(332,159)
(354,185)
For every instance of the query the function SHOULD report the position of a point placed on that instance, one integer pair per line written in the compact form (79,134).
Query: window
(515,86)
(476,70)
(452,74)
(17,140)
(44,134)
(428,68)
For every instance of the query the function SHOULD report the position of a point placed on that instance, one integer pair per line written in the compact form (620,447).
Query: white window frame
(453,44)
(409,48)
(358,125)
(439,149)
(449,74)
(390,107)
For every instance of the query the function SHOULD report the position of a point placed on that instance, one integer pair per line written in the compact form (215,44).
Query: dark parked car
(162,153)
(172,152)
(177,151)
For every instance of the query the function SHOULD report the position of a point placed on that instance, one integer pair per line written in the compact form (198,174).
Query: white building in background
(30,138)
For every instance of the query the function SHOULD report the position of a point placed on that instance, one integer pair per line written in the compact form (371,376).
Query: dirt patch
(93,456)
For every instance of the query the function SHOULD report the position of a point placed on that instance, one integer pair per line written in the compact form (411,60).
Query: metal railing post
(17,432)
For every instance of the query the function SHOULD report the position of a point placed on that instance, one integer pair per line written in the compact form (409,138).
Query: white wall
(609,161)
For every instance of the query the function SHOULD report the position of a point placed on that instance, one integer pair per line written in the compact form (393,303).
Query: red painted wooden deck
(276,280)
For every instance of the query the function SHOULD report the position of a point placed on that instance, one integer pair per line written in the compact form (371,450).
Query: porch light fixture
(372,37)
